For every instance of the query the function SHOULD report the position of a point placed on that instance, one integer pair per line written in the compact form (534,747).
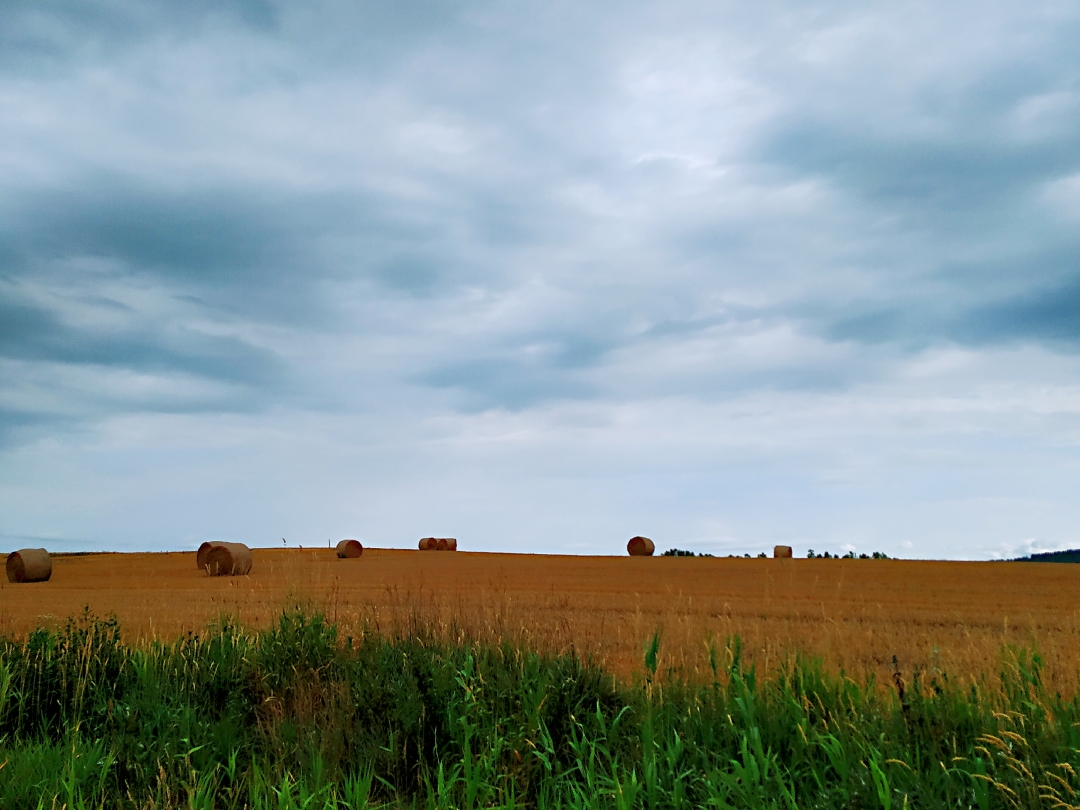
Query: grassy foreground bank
(298,717)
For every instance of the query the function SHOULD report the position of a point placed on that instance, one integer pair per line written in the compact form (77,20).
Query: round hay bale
(451,544)
(200,555)
(428,543)
(29,565)
(440,544)
(640,547)
(228,560)
(781,552)
(349,549)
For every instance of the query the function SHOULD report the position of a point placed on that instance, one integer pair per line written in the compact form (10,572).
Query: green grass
(298,717)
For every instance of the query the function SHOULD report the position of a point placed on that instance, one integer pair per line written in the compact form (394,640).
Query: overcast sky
(541,276)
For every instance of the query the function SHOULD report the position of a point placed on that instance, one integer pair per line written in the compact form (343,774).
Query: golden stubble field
(856,614)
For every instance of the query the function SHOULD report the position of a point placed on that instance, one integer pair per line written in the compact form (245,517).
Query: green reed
(299,717)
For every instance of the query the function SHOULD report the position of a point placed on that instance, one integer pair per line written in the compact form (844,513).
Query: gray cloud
(19,426)
(634,232)
(1051,316)
(36,36)
(27,333)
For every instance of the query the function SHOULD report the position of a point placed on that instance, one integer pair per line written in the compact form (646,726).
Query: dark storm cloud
(235,253)
(974,183)
(260,252)
(532,368)
(942,178)
(34,334)
(209,236)
(942,199)
(17,425)
(53,34)
(1030,297)
(1051,316)
(56,37)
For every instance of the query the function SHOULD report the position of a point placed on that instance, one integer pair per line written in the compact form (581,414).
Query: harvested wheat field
(856,614)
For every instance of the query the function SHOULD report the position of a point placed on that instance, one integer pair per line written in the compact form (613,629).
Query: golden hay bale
(451,544)
(200,555)
(349,548)
(440,544)
(640,547)
(29,565)
(228,560)
(428,543)
(779,552)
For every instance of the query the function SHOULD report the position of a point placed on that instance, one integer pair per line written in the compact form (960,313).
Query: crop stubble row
(856,614)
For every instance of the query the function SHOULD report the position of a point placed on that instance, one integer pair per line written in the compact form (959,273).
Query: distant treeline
(811,554)
(1071,555)
(851,555)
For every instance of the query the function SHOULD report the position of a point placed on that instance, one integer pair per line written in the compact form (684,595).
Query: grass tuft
(298,717)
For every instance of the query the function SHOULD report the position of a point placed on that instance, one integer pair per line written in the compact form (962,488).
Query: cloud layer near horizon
(541,277)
